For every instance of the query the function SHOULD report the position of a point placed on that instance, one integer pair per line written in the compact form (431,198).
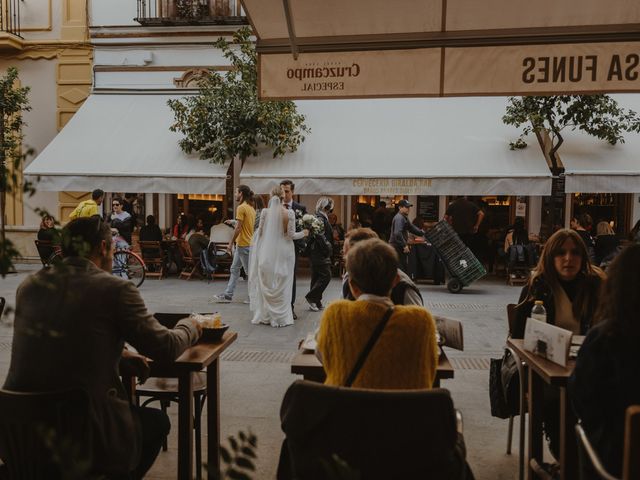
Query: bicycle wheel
(129,266)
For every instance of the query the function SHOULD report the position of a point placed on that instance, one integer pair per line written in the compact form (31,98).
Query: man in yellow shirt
(242,236)
(88,208)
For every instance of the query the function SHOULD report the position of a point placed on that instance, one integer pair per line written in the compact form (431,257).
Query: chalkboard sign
(428,208)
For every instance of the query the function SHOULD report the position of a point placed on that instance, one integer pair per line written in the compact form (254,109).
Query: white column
(162,211)
(535,214)
(635,209)
(442,206)
(148,206)
(413,211)
(567,210)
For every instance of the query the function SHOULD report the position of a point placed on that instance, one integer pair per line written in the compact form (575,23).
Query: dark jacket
(606,248)
(399,228)
(92,314)
(124,227)
(150,233)
(540,290)
(320,247)
(606,381)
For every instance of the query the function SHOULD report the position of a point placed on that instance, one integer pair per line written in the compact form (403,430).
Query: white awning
(122,143)
(439,146)
(594,166)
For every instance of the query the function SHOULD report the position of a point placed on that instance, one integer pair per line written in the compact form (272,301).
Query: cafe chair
(44,434)
(153,257)
(382,434)
(590,464)
(511,318)
(191,263)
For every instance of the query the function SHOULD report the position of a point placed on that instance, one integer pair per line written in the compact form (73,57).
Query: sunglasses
(115,204)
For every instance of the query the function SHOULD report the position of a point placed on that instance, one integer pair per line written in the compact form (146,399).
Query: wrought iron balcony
(10,17)
(10,38)
(190,12)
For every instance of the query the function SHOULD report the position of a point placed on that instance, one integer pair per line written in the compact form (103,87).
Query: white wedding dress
(271,263)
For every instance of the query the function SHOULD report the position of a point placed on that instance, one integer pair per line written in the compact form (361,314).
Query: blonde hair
(603,228)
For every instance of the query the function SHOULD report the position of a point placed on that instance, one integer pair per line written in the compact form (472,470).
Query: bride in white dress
(271,263)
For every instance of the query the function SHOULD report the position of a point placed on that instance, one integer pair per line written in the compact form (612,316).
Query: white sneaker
(313,307)
(221,298)
(246,302)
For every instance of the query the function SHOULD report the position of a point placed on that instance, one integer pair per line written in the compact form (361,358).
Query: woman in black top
(606,244)
(606,379)
(47,230)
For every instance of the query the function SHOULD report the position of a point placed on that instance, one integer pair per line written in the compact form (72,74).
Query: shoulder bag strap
(365,352)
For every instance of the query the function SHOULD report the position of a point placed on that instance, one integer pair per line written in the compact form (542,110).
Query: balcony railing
(10,17)
(190,12)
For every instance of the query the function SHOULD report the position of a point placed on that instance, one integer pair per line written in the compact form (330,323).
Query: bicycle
(126,264)
(129,265)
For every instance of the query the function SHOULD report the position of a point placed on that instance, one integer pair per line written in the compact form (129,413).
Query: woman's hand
(306,232)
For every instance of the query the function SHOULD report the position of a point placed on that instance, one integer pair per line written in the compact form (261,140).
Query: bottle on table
(538,312)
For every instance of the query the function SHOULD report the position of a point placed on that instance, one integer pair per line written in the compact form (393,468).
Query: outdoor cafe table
(194,359)
(543,371)
(306,363)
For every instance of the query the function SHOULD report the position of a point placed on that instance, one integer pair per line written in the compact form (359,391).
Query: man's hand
(197,325)
(406,249)
(135,365)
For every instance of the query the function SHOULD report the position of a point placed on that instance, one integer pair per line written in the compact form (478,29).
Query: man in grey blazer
(71,325)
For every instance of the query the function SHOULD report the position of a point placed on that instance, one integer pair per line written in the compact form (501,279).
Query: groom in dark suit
(288,188)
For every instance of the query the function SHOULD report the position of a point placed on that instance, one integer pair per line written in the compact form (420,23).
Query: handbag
(504,386)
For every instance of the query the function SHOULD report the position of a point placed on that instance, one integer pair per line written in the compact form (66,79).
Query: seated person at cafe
(606,244)
(93,314)
(606,377)
(197,238)
(568,285)
(404,291)
(151,231)
(517,248)
(405,355)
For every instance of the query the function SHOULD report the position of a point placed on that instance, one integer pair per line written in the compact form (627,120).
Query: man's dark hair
(372,266)
(151,220)
(585,220)
(82,236)
(290,183)
(247,193)
(97,193)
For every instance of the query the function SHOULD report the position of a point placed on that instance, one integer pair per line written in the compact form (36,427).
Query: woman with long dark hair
(567,283)
(606,379)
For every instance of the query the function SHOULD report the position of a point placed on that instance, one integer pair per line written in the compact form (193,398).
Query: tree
(227,119)
(597,115)
(13,101)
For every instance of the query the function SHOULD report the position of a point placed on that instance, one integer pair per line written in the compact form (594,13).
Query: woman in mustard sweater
(406,353)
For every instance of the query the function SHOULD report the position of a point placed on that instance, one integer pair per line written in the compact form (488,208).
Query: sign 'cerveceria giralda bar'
(370,48)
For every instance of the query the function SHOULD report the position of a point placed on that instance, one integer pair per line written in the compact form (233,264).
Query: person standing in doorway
(400,226)
(88,208)
(320,250)
(288,187)
(242,237)
(465,217)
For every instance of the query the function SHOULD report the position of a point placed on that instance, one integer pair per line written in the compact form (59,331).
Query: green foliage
(13,101)
(227,119)
(597,115)
(239,461)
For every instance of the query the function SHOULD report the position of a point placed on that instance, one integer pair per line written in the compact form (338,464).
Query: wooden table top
(195,358)
(306,363)
(551,372)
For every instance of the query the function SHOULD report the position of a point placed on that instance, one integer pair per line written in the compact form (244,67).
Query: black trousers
(403,260)
(320,278)
(155,427)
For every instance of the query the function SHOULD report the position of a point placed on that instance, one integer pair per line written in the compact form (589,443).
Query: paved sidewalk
(255,371)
